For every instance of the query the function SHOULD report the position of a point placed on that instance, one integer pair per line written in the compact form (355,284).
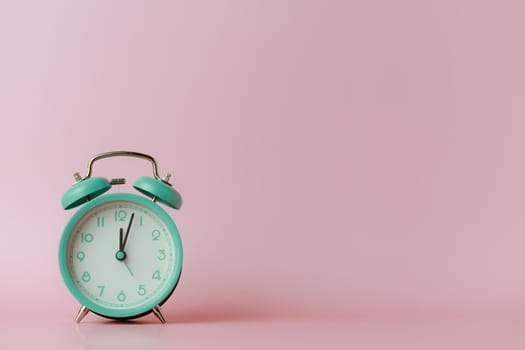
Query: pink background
(337,159)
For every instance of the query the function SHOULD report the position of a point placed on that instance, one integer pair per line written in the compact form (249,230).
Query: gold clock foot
(158,312)
(81,314)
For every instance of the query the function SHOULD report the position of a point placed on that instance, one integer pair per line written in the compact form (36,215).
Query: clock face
(121,255)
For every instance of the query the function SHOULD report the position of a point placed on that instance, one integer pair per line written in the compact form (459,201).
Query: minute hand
(127,231)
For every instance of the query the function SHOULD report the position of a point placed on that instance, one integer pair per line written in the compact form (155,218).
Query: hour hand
(120,254)
(121,239)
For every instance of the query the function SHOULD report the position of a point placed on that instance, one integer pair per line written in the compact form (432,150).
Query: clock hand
(127,231)
(120,254)
(127,266)
(121,239)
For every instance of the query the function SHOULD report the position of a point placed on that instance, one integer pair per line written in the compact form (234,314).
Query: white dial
(121,255)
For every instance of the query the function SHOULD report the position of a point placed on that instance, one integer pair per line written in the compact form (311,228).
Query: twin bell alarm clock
(120,254)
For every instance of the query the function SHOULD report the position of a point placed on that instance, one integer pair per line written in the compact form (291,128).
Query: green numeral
(101,290)
(155,234)
(121,296)
(86,277)
(81,255)
(100,221)
(86,237)
(162,254)
(120,215)
(142,290)
(156,275)
(140,220)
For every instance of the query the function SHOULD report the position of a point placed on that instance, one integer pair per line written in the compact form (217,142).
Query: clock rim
(136,311)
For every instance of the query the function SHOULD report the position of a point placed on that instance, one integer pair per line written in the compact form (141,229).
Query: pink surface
(360,334)
(336,158)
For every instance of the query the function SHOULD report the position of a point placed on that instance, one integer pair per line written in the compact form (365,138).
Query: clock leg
(158,312)
(81,313)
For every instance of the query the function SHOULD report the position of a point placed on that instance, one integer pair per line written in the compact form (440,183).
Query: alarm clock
(120,254)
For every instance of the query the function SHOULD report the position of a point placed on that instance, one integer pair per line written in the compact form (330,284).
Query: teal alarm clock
(120,254)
